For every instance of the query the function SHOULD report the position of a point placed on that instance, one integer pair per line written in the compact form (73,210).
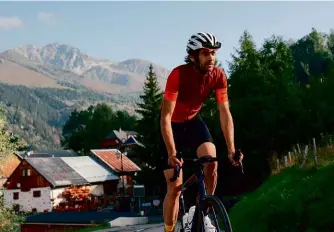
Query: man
(188,86)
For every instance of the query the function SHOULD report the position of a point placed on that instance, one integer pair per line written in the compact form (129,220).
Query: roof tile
(110,157)
(56,171)
(89,169)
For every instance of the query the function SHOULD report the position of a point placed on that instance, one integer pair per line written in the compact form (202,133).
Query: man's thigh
(180,143)
(199,136)
(189,136)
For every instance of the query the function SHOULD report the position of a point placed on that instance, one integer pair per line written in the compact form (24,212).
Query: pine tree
(148,124)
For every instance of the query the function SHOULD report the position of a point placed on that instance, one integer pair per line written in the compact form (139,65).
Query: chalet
(8,165)
(57,183)
(124,141)
(56,153)
(119,163)
(12,160)
(115,138)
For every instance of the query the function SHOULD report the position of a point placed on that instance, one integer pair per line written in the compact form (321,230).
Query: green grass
(297,199)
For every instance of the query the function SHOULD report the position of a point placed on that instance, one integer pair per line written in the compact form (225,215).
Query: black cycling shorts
(188,136)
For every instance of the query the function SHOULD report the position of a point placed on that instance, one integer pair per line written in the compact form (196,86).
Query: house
(8,165)
(56,153)
(57,183)
(14,159)
(120,164)
(124,141)
(115,138)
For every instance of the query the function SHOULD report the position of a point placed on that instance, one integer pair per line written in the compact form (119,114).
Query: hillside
(297,199)
(37,115)
(15,74)
(41,86)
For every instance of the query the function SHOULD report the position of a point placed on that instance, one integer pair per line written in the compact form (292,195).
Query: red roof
(109,156)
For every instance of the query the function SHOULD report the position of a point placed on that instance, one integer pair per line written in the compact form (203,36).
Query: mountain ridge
(120,76)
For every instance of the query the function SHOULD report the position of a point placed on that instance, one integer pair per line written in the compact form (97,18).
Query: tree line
(280,94)
(8,218)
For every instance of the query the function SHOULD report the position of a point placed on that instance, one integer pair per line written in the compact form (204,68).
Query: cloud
(10,22)
(47,17)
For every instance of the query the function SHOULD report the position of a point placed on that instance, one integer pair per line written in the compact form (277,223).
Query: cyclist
(187,87)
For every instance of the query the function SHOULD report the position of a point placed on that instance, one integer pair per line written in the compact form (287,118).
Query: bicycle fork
(193,225)
(198,226)
(197,222)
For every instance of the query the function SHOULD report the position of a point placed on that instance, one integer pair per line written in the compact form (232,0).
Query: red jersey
(190,88)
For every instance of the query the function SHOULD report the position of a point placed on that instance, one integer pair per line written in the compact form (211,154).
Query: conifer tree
(148,124)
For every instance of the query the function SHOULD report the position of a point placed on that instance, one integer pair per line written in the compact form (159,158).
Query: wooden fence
(306,155)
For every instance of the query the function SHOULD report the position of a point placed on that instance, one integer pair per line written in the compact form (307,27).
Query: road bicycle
(204,202)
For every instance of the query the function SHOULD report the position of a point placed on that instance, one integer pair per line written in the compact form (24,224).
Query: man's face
(207,58)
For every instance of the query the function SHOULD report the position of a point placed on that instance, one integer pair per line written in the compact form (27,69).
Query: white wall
(26,200)
(54,195)
(96,190)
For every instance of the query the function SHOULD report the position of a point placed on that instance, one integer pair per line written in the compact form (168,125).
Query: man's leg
(203,142)
(210,169)
(171,202)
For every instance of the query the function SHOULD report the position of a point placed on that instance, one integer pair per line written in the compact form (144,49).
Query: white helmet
(202,40)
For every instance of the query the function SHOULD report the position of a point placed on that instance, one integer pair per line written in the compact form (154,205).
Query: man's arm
(168,106)
(166,125)
(227,126)
(226,120)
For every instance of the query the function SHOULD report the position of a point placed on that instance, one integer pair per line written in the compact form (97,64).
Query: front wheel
(214,216)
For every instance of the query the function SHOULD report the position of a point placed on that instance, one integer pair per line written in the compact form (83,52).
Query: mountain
(66,63)
(41,86)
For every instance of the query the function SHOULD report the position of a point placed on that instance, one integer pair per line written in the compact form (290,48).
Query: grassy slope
(297,199)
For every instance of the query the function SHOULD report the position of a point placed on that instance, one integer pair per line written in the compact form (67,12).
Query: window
(23,172)
(15,195)
(28,172)
(36,193)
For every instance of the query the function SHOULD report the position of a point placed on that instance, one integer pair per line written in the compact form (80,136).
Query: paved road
(159,227)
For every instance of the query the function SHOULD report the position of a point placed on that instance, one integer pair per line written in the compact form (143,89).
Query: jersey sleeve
(221,87)
(172,86)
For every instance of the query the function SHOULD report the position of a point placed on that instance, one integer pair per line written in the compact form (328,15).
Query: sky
(156,31)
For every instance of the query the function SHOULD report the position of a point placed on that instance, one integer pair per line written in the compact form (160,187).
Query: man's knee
(208,149)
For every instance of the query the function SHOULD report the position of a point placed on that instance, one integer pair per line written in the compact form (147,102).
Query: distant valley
(40,86)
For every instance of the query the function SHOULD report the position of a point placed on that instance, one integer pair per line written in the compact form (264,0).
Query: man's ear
(192,58)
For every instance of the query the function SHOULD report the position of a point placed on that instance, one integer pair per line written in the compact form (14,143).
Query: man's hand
(173,161)
(234,160)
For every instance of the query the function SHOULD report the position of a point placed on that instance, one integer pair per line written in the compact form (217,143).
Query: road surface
(159,227)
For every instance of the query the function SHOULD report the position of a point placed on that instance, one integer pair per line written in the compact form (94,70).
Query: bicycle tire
(213,201)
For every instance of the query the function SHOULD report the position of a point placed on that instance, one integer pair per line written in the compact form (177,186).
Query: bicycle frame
(198,177)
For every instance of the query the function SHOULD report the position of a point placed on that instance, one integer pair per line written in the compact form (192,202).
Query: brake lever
(176,173)
(237,157)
